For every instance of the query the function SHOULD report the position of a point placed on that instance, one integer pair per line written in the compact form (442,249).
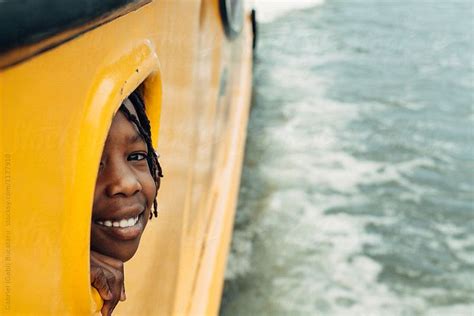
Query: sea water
(357,196)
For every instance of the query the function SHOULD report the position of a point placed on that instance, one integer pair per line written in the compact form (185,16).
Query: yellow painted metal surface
(55,111)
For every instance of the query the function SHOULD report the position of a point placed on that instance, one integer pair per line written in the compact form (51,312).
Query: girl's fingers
(107,308)
(123,297)
(107,277)
(100,282)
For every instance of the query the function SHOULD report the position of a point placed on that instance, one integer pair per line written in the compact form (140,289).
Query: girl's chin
(122,252)
(118,242)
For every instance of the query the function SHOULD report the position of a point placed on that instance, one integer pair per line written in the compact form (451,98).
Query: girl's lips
(124,233)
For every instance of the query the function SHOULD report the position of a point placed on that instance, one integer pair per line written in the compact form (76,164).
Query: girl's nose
(122,181)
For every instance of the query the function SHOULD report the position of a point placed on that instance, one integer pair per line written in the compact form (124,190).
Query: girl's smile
(126,226)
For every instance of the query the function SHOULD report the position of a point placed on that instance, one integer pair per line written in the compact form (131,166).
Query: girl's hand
(108,278)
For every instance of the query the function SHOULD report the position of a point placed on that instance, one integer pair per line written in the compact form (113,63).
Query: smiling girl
(125,193)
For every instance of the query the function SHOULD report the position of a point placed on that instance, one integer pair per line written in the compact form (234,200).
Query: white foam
(269,10)
(239,257)
(333,264)
(458,310)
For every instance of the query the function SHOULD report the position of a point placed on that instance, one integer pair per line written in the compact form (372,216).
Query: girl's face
(124,191)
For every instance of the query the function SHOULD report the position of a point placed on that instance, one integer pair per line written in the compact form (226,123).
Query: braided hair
(142,123)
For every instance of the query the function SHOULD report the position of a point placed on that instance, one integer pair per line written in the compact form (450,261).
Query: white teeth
(122,223)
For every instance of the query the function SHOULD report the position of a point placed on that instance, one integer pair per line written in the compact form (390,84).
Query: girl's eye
(136,157)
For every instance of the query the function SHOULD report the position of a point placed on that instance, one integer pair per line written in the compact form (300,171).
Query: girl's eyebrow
(135,138)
